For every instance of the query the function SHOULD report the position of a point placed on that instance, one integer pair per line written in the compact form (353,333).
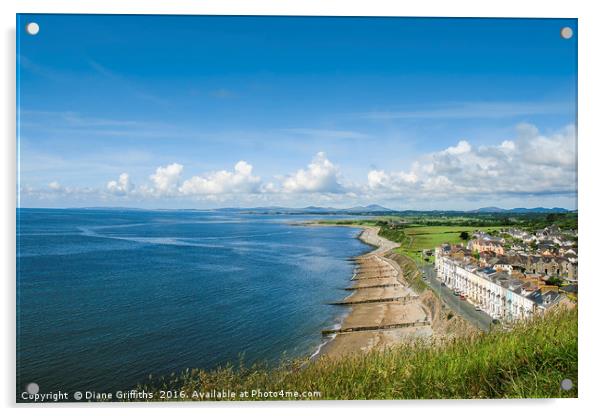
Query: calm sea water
(107,297)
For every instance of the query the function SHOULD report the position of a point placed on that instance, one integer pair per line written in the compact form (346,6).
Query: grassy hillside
(529,361)
(411,274)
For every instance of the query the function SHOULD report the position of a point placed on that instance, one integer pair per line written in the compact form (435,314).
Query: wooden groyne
(385,274)
(373,277)
(380,271)
(372,286)
(375,327)
(375,269)
(402,299)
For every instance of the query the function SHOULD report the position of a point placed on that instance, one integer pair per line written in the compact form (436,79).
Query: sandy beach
(384,310)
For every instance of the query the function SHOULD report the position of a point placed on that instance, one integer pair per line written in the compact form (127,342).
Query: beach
(384,310)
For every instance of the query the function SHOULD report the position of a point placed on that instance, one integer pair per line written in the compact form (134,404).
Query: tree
(464,235)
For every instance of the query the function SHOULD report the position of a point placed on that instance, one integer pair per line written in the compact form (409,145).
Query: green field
(414,239)
(530,360)
(420,238)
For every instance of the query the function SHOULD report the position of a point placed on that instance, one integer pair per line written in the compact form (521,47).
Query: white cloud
(530,164)
(122,186)
(392,181)
(241,180)
(557,150)
(55,190)
(507,145)
(462,147)
(166,179)
(321,175)
(269,187)
(55,186)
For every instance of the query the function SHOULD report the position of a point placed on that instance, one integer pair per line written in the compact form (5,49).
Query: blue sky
(201,112)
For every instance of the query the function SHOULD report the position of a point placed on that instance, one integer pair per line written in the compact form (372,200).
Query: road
(461,307)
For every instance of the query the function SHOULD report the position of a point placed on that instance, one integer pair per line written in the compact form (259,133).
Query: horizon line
(308,207)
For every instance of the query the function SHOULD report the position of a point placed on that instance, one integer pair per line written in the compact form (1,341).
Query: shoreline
(383,310)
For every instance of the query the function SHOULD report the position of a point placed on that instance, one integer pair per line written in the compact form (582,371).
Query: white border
(508,8)
(590,136)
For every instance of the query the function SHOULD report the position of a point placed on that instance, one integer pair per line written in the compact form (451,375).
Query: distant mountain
(538,210)
(110,208)
(369,208)
(373,208)
(489,210)
(270,208)
(314,209)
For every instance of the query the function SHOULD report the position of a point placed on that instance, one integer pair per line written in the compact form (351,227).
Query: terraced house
(483,245)
(497,293)
(553,266)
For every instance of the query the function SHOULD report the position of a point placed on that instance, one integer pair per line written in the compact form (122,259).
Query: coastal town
(440,276)
(513,274)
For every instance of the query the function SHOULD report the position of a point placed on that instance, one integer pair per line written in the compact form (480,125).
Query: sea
(108,297)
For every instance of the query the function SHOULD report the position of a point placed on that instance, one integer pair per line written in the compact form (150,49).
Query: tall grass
(531,360)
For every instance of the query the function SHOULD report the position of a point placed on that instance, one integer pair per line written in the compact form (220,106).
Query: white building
(497,293)
(520,235)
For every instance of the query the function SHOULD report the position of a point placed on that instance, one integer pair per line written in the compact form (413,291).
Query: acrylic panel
(295,208)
